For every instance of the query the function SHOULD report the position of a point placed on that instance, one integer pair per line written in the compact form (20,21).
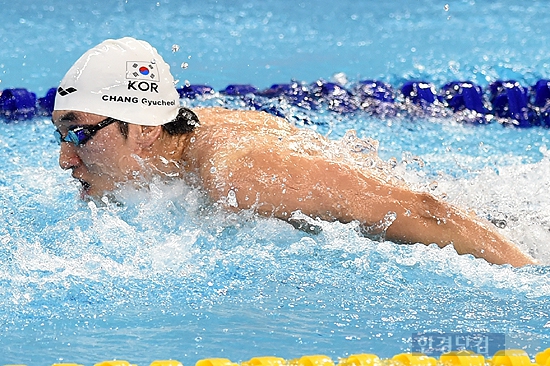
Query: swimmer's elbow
(428,206)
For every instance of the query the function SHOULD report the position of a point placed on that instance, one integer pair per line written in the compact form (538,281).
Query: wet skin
(253,160)
(104,161)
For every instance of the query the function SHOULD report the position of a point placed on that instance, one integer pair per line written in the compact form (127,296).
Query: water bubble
(500,223)
(175,48)
(446,7)
(378,230)
(232,199)
(184,65)
(340,78)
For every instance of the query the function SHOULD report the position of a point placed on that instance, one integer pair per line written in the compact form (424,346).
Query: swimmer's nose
(68,158)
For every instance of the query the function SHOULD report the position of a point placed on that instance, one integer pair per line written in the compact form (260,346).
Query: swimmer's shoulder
(212,113)
(225,135)
(242,119)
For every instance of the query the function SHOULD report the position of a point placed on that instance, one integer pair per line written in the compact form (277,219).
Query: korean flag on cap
(142,70)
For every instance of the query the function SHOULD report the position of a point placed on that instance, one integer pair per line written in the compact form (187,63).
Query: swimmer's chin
(123,193)
(120,195)
(85,190)
(90,193)
(104,199)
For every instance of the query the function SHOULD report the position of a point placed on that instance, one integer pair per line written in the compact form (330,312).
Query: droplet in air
(175,48)
(446,7)
(232,199)
(184,65)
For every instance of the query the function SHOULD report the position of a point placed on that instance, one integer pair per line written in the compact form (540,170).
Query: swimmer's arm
(277,185)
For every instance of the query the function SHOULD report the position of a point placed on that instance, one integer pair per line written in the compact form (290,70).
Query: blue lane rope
(505,101)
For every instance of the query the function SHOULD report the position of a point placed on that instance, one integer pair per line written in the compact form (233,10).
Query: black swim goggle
(79,135)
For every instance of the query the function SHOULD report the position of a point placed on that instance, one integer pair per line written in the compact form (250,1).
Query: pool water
(170,276)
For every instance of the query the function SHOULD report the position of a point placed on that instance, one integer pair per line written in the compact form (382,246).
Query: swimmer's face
(104,161)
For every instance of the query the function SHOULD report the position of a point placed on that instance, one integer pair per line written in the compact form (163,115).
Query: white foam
(516,194)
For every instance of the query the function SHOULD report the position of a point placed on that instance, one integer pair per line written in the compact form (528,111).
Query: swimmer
(118,120)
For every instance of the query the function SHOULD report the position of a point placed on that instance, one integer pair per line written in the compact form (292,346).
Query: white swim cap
(125,79)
